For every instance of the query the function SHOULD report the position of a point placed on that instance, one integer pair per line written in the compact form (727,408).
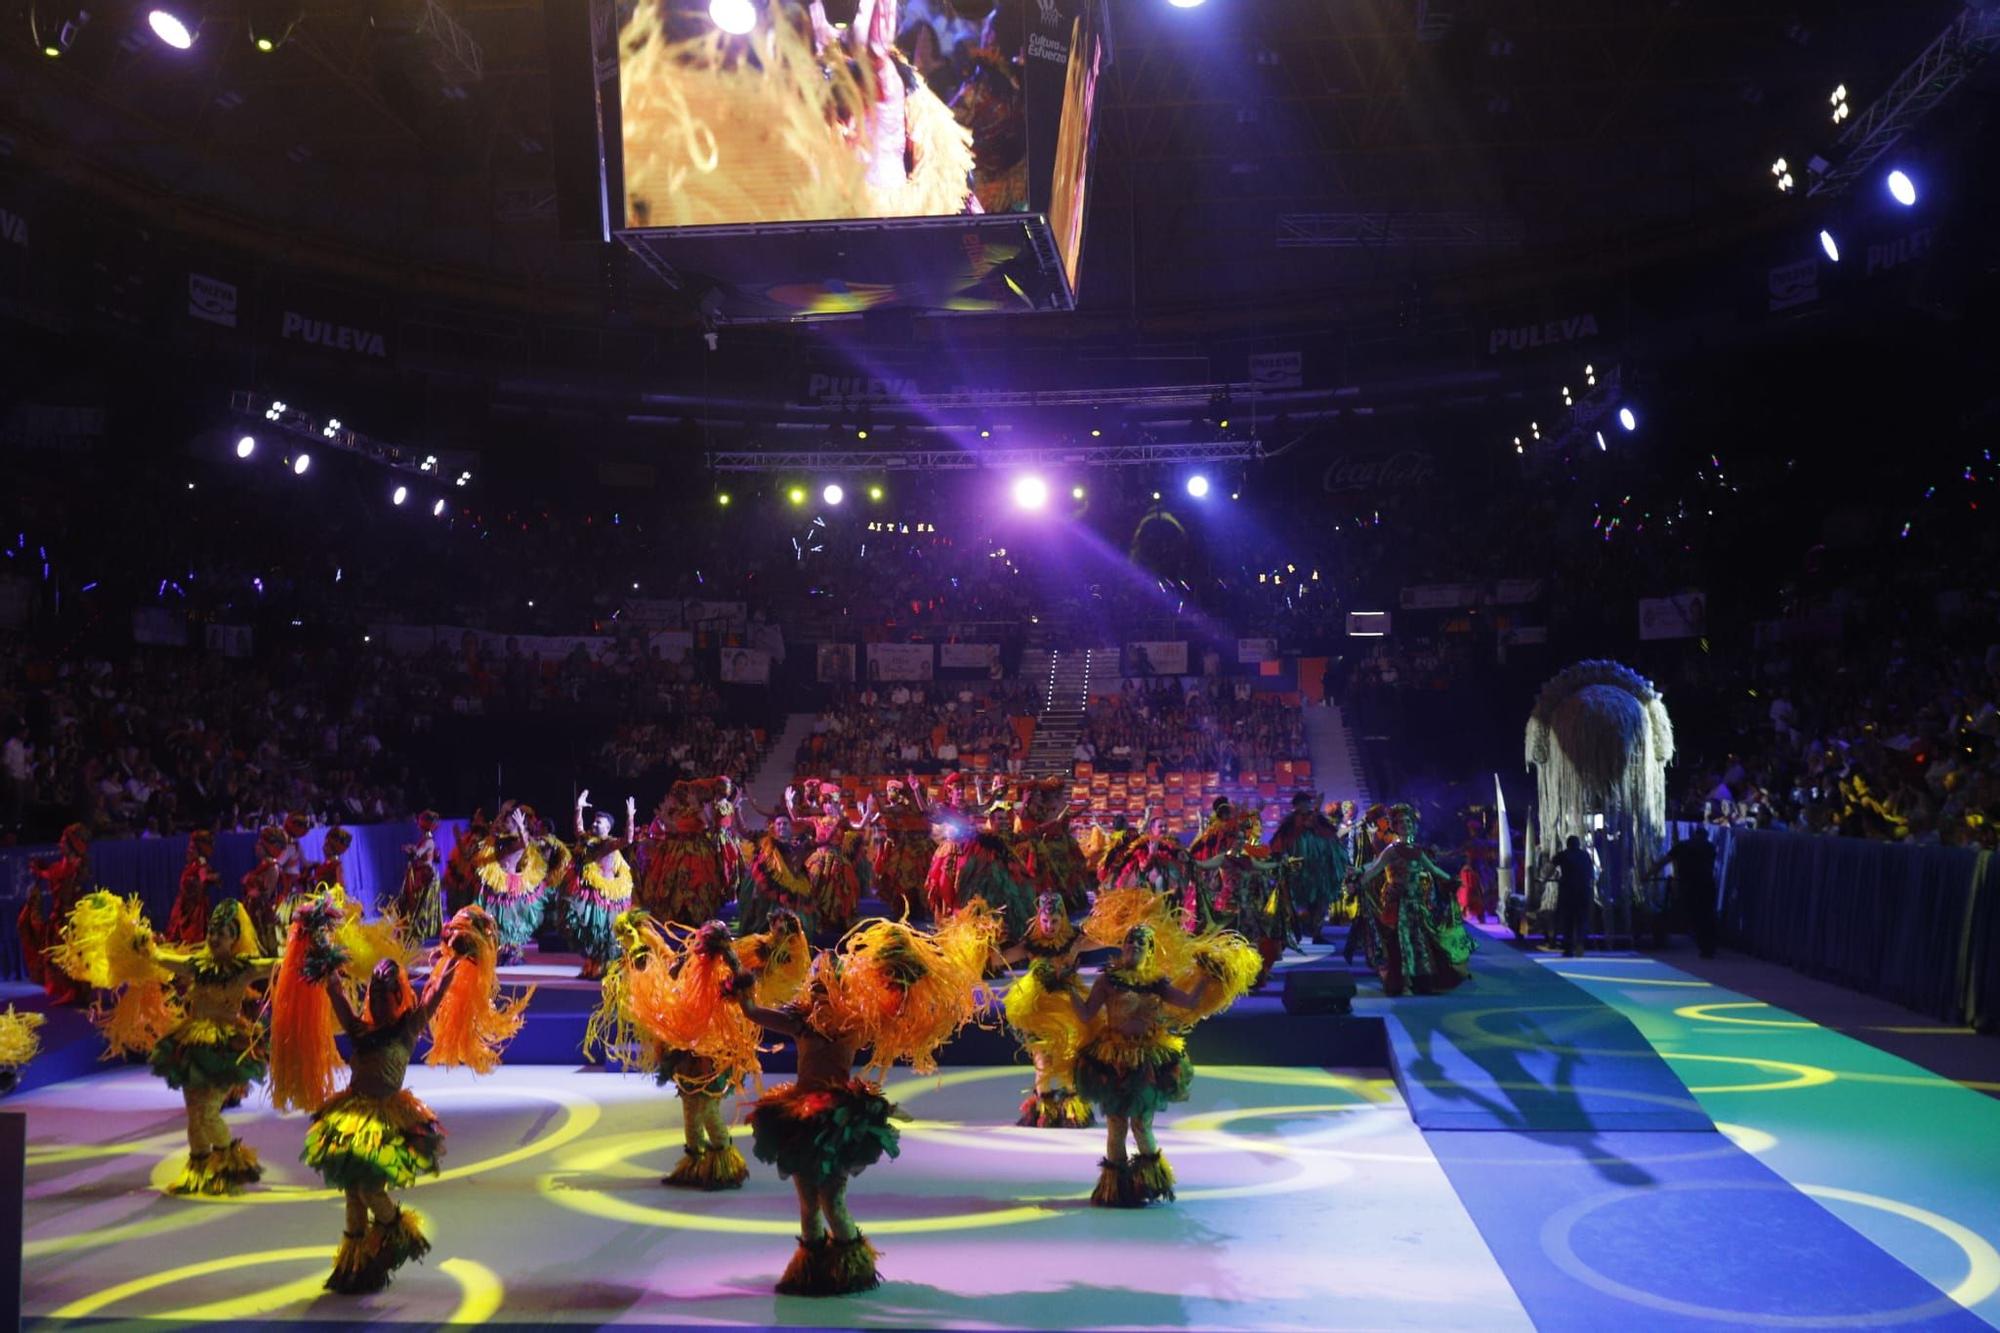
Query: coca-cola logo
(1379,472)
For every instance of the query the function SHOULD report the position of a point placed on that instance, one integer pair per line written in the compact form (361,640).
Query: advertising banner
(716,617)
(670,645)
(1516,592)
(1367,624)
(1256,650)
(658,612)
(160,626)
(899,661)
(1156,657)
(968,656)
(1441,596)
(228,640)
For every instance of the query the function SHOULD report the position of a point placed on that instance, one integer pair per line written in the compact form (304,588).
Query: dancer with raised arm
(600,889)
(904,854)
(516,877)
(1041,1008)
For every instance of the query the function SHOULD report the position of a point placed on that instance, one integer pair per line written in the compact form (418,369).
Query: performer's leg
(199,1124)
(347,1260)
(1117,1186)
(811,1229)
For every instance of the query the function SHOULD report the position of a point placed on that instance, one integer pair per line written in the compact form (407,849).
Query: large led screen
(826,111)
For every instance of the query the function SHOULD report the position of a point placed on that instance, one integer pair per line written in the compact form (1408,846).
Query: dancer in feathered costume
(187,923)
(974,865)
(833,865)
(203,1045)
(736,844)
(904,856)
(420,900)
(778,879)
(1104,847)
(600,889)
(20,1042)
(1134,1059)
(900,993)
(374,1135)
(1316,880)
(516,878)
(685,1003)
(1417,938)
(55,884)
(1041,1008)
(1047,848)
(461,874)
(683,879)
(1219,885)
(797,121)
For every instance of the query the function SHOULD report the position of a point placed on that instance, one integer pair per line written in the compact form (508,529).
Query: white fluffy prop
(1600,740)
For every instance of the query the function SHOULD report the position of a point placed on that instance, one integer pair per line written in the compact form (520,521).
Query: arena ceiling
(1255,153)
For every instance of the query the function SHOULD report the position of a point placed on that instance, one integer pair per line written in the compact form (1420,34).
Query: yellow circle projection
(1632,981)
(1982,1260)
(480,1289)
(1710,1013)
(580,1113)
(1317,1168)
(1802,1076)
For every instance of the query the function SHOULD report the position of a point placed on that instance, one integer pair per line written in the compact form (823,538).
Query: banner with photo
(17,600)
(228,640)
(899,661)
(1157,657)
(1516,592)
(968,656)
(1256,650)
(835,663)
(746,666)
(1684,616)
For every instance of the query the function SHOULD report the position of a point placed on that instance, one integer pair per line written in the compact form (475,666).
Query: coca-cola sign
(1379,472)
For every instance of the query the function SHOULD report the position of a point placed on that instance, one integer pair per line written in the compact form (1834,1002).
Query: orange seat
(1173,779)
(1303,768)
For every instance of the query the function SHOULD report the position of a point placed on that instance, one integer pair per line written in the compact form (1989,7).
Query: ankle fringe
(219,1171)
(713,1169)
(1117,1186)
(828,1267)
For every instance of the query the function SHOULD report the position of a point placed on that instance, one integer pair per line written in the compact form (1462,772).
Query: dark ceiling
(1254,152)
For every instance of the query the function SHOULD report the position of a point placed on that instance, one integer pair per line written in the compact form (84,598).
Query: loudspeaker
(1319,989)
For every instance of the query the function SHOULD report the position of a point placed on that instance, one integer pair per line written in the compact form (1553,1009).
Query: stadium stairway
(767,786)
(1066,675)
(1336,760)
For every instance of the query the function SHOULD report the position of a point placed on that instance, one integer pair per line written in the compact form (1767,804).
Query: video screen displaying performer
(826,110)
(1086,59)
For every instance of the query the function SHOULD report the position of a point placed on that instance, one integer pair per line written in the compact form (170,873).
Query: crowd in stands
(922,727)
(1223,726)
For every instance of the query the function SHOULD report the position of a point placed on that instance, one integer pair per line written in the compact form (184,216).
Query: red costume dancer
(1480,873)
(57,883)
(264,887)
(737,845)
(1048,850)
(832,868)
(904,856)
(188,922)
(1154,861)
(461,878)
(419,904)
(292,861)
(329,872)
(974,865)
(683,880)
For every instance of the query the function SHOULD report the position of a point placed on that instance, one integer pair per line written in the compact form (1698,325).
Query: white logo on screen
(1051,13)
(212,300)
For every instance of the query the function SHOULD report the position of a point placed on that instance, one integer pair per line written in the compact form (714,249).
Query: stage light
(437,510)
(169,28)
(1600,441)
(875,493)
(1096,434)
(797,495)
(400,494)
(246,446)
(860,434)
(1076,492)
(1185,4)
(1829,245)
(1841,109)
(723,499)
(735,17)
(1156,495)
(833,495)
(300,464)
(1781,172)
(1902,189)
(1031,492)
(272,23)
(55,27)
(985,434)
(1628,419)
(1197,486)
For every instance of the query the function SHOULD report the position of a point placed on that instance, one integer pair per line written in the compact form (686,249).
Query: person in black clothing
(1576,876)
(1693,860)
